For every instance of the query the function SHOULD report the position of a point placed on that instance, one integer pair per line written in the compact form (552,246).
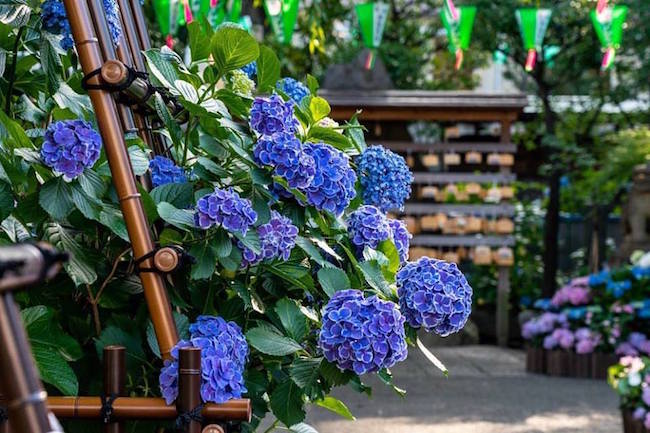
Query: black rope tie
(4,417)
(106,412)
(185,418)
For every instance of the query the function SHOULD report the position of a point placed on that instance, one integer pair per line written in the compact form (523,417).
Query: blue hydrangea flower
(250,70)
(284,152)
(640,273)
(55,21)
(277,239)
(385,178)
(599,278)
(362,334)
(543,304)
(293,89)
(401,238)
(618,288)
(164,171)
(224,353)
(435,295)
(332,188)
(226,208)
(70,146)
(271,115)
(367,227)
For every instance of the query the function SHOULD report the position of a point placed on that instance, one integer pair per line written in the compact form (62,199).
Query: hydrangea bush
(267,195)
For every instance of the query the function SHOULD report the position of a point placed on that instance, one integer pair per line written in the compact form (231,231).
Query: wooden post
(114,380)
(189,385)
(503,286)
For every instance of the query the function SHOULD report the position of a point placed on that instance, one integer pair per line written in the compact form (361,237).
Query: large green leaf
(305,373)
(330,136)
(89,207)
(77,266)
(92,183)
(112,335)
(233,48)
(332,280)
(161,67)
(287,403)
(206,260)
(54,370)
(302,427)
(181,218)
(14,13)
(6,200)
(44,331)
(371,270)
(12,134)
(271,343)
(336,406)
(51,63)
(199,40)
(178,194)
(292,318)
(56,198)
(268,69)
(319,108)
(389,250)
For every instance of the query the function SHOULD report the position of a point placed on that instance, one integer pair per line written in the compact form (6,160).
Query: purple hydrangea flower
(645,396)
(367,227)
(293,89)
(639,413)
(284,152)
(332,188)
(587,346)
(401,238)
(385,178)
(277,239)
(224,353)
(636,339)
(362,334)
(56,21)
(164,171)
(575,293)
(543,324)
(550,342)
(70,146)
(626,349)
(226,208)
(434,294)
(564,338)
(271,115)
(250,69)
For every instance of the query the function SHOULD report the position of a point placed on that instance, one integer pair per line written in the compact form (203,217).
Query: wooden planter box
(580,365)
(557,362)
(600,362)
(631,425)
(536,360)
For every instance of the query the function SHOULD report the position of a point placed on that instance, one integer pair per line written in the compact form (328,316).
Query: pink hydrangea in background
(577,292)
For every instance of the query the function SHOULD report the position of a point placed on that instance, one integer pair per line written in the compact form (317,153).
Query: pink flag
(600,7)
(452,9)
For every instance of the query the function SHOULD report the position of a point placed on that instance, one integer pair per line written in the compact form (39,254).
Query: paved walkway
(487,391)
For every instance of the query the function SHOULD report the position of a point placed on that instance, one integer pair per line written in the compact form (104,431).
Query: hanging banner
(533,23)
(372,21)
(224,11)
(282,15)
(459,29)
(609,28)
(166,12)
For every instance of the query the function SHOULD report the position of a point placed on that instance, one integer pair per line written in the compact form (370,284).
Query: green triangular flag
(282,16)
(533,23)
(166,12)
(459,31)
(225,11)
(609,28)
(372,21)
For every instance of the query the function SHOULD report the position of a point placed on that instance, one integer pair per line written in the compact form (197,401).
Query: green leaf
(6,200)
(15,14)
(233,48)
(212,167)
(332,280)
(386,377)
(139,160)
(112,218)
(54,370)
(92,183)
(311,251)
(431,357)
(287,403)
(181,218)
(77,266)
(305,373)
(55,198)
(174,130)
(67,99)
(44,331)
(12,135)
(250,241)
(221,244)
(355,134)
(112,335)
(319,109)
(199,41)
(301,427)
(330,136)
(161,67)
(178,194)
(268,69)
(312,83)
(336,406)
(87,206)
(271,343)
(206,261)
(334,375)
(51,63)
(374,277)
(389,250)
(293,321)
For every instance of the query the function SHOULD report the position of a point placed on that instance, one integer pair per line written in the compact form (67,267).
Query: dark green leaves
(56,198)
(77,265)
(199,40)
(287,403)
(6,200)
(177,194)
(267,341)
(293,321)
(268,69)
(233,48)
(51,63)
(332,280)
(181,218)
(14,14)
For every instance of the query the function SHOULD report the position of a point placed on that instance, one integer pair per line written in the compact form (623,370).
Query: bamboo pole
(144,408)
(189,385)
(114,380)
(123,179)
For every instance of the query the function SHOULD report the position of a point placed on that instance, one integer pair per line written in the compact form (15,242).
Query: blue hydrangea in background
(56,21)
(70,146)
(435,295)
(544,304)
(367,227)
(385,178)
(226,208)
(224,353)
(164,171)
(618,288)
(293,89)
(250,70)
(284,152)
(362,334)
(271,115)
(332,188)
(277,239)
(401,238)
(600,278)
